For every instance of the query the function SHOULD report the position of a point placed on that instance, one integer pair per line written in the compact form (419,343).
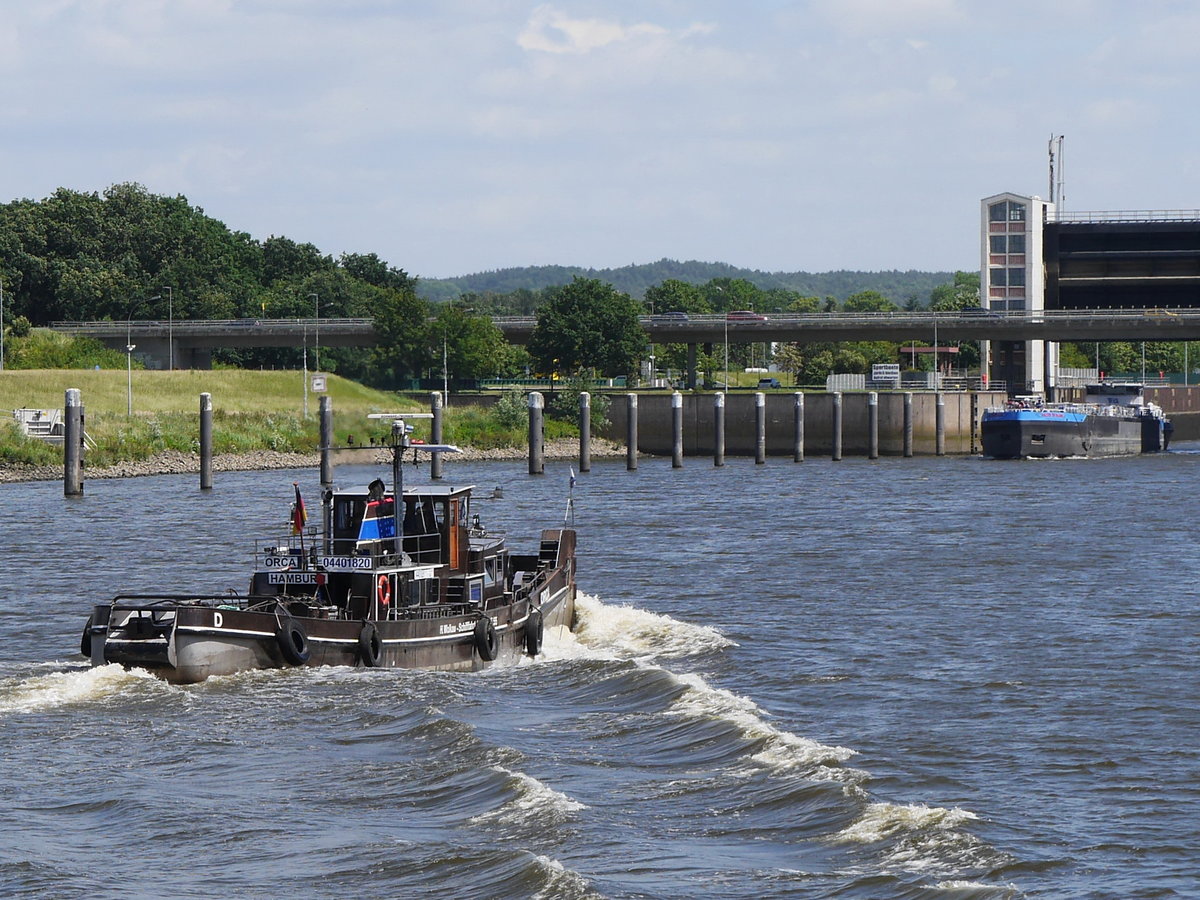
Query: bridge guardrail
(838,318)
(208,323)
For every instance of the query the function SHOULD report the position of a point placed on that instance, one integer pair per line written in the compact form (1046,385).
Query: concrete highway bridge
(188,344)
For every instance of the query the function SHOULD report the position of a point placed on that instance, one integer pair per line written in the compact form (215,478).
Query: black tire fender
(293,642)
(535,629)
(370,647)
(486,640)
(85,642)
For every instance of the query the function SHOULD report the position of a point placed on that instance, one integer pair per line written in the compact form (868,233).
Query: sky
(458,136)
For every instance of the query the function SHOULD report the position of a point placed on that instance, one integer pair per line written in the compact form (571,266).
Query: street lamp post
(129,345)
(1,324)
(170,329)
(722,290)
(445,372)
(317,337)
(305,330)
(935,351)
(129,348)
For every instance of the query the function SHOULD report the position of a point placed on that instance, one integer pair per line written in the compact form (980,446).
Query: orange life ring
(383,590)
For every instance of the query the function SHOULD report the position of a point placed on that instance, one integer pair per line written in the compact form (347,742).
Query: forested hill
(634,279)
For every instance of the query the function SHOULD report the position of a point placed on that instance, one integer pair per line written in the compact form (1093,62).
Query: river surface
(927,678)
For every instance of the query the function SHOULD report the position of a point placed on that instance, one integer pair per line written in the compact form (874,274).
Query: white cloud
(552,31)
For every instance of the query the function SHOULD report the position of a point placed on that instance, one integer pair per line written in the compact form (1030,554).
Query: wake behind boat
(414,584)
(1114,420)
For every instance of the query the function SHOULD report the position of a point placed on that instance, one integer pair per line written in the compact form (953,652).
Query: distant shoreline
(178,463)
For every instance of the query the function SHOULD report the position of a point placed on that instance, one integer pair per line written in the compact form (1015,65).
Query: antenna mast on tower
(1057,196)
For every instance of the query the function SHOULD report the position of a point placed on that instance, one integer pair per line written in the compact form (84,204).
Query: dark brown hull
(193,643)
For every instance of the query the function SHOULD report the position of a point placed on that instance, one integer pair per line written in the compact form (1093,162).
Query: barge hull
(1093,437)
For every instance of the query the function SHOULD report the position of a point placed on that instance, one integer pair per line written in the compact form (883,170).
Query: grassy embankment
(251,411)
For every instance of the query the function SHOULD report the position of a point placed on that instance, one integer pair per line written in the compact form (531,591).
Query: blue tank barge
(1114,420)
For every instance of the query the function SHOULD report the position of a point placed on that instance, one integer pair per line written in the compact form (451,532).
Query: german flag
(299,514)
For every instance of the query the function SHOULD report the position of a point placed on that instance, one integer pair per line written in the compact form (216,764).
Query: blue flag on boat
(377,522)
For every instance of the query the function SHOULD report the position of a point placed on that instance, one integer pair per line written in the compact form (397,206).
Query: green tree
(588,324)
(869,301)
(674,295)
(961,293)
(282,257)
(403,326)
(805,305)
(370,268)
(84,255)
(725,294)
(810,363)
(474,346)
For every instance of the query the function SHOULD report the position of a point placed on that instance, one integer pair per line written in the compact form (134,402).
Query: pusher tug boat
(417,584)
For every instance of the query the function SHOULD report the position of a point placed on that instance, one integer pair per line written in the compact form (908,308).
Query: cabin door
(458,537)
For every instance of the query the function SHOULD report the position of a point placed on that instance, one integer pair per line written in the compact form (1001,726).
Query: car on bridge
(672,317)
(744,315)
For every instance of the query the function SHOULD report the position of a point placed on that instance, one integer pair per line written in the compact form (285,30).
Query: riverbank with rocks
(175,462)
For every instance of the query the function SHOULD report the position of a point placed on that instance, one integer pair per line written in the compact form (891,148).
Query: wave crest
(66,688)
(627,632)
(780,750)
(881,821)
(535,803)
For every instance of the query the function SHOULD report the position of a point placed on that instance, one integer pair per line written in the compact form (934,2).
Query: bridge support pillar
(193,358)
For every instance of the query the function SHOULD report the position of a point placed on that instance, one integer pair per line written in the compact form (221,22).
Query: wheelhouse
(378,565)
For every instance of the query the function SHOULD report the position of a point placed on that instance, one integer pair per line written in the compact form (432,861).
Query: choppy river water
(928,678)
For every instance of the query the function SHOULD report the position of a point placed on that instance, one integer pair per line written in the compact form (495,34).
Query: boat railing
(538,580)
(303,554)
(1087,409)
(432,611)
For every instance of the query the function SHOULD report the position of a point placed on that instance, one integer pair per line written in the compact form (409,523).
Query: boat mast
(400,442)
(399,445)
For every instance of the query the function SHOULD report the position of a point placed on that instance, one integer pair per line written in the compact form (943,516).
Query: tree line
(637,279)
